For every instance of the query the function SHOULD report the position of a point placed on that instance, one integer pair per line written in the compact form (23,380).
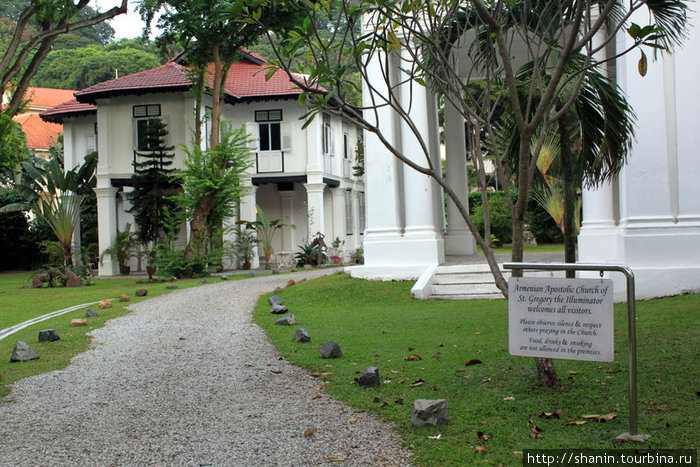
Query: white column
(458,241)
(287,233)
(107,227)
(383,180)
(315,208)
(598,237)
(339,227)
(248,213)
(419,190)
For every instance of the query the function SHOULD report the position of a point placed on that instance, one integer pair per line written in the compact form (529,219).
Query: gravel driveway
(187,379)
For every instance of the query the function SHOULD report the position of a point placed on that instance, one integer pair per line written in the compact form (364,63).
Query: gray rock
(48,335)
(170,287)
(370,377)
(224,277)
(141,293)
(22,352)
(274,299)
(278,309)
(302,335)
(429,412)
(276,271)
(249,274)
(286,320)
(90,313)
(330,349)
(203,281)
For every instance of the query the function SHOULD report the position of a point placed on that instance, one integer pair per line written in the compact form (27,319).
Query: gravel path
(187,379)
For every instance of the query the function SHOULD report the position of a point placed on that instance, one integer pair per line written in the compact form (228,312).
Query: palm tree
(54,195)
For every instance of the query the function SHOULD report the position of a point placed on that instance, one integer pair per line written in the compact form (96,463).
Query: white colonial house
(304,176)
(647,219)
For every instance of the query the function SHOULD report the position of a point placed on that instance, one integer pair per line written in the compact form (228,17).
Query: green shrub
(499,213)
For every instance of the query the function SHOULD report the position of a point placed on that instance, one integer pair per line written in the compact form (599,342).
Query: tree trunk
(567,168)
(546,372)
(199,228)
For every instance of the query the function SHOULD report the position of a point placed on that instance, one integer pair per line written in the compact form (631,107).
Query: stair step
(498,296)
(464,289)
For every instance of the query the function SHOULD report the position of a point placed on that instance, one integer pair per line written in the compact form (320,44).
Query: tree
(153,183)
(84,66)
(54,196)
(211,32)
(472,54)
(212,178)
(35,31)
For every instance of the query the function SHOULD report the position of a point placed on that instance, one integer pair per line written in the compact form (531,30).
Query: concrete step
(465,282)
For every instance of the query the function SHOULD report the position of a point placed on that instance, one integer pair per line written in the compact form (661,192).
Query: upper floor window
(269,129)
(327,135)
(146,117)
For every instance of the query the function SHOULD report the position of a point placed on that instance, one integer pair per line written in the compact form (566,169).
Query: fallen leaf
(416,383)
(394,371)
(473,361)
(509,398)
(435,388)
(309,432)
(461,370)
(277,372)
(412,358)
(437,355)
(441,345)
(477,333)
(438,436)
(317,396)
(352,421)
(384,404)
(576,422)
(486,380)
(535,432)
(381,459)
(482,436)
(667,425)
(376,399)
(571,373)
(336,459)
(359,410)
(411,349)
(398,401)
(401,381)
(556,414)
(480,449)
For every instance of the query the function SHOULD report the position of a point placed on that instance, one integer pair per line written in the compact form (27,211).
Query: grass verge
(19,305)
(378,324)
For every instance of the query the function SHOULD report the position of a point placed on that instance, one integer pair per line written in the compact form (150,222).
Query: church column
(419,190)
(383,181)
(107,227)
(597,240)
(458,241)
(339,227)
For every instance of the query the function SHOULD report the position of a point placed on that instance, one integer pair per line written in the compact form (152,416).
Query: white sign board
(561,318)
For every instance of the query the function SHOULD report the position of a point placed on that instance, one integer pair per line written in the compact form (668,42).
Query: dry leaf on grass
(412,358)
(600,418)
(576,422)
(416,383)
(535,432)
(482,436)
(480,449)
(473,361)
(556,414)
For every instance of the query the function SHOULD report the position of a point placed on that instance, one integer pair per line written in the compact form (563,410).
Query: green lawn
(18,305)
(543,248)
(379,324)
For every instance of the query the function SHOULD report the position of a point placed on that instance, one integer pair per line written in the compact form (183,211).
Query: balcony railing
(269,161)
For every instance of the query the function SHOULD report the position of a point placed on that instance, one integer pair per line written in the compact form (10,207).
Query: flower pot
(150,270)
(124,269)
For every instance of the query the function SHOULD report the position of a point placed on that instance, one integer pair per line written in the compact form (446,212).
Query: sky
(125,26)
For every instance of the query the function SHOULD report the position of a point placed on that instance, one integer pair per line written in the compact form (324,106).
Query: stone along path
(187,379)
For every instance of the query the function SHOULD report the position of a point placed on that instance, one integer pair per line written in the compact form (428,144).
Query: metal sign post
(633,434)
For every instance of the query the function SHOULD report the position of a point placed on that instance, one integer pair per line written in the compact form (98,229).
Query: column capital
(314,187)
(106,192)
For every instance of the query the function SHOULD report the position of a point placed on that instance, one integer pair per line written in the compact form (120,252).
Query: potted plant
(122,249)
(244,245)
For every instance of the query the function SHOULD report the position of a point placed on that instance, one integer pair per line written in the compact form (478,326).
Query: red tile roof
(168,77)
(245,80)
(71,108)
(40,134)
(47,97)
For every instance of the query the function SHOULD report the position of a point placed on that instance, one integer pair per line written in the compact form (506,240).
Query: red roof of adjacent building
(46,98)
(40,134)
